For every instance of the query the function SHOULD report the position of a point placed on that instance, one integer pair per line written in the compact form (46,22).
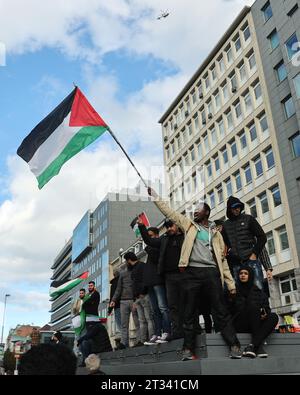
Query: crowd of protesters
(197,267)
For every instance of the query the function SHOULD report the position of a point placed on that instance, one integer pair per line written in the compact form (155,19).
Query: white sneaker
(152,341)
(163,338)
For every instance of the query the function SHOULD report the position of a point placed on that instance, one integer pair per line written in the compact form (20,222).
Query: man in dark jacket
(245,240)
(91,305)
(140,297)
(116,308)
(169,253)
(96,340)
(155,284)
(124,295)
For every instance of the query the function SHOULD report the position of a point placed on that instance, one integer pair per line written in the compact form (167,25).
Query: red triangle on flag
(82,112)
(84,275)
(145,219)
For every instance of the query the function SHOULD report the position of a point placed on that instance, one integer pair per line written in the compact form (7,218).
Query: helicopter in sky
(164,14)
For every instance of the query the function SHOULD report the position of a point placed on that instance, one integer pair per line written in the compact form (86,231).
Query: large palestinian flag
(59,287)
(71,127)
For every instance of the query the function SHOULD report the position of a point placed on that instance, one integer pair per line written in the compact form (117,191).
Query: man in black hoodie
(169,246)
(155,284)
(245,240)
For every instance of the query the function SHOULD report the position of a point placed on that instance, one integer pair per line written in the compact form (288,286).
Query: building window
(252,61)
(221,128)
(217,101)
(253,133)
(228,187)
(214,74)
(248,102)
(267,11)
(258,92)
(238,110)
(193,155)
(209,170)
(258,167)
(288,284)
(270,158)
(213,137)
(225,156)
(248,174)
(237,44)
(229,120)
(283,237)
(297,85)
(207,83)
(289,107)
(264,203)
(220,194)
(243,140)
(217,163)
(212,200)
(206,144)
(252,207)
(292,46)
(238,181)
(221,65)
(225,93)
(229,55)
(281,71)
(200,155)
(247,33)
(233,149)
(270,243)
(264,123)
(293,10)
(276,195)
(274,39)
(295,141)
(243,73)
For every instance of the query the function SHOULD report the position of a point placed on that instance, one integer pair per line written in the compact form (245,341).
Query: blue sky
(130,66)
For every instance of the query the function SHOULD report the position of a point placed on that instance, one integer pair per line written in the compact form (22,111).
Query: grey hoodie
(124,289)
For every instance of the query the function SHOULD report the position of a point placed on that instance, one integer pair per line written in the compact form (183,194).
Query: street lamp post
(5,298)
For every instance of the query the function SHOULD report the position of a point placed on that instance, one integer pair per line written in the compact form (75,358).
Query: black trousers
(174,282)
(249,321)
(205,282)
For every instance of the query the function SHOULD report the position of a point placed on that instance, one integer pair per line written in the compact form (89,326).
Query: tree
(9,361)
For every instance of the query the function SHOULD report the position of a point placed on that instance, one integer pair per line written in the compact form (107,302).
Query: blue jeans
(117,312)
(257,271)
(158,299)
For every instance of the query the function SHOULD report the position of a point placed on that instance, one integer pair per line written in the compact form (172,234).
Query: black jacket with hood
(162,244)
(243,235)
(248,295)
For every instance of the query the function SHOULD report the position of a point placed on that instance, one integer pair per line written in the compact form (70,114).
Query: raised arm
(180,220)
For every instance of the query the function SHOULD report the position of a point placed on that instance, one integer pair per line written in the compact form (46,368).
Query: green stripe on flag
(82,139)
(65,287)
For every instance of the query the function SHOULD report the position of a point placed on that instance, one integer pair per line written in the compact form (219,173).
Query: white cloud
(110,26)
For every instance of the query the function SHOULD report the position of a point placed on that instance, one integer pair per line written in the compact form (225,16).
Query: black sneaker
(261,352)
(249,351)
(187,355)
(120,346)
(139,344)
(235,352)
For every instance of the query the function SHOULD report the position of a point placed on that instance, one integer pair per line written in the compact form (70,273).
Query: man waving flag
(68,129)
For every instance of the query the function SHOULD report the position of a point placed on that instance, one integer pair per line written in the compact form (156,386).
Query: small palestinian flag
(68,129)
(57,288)
(135,226)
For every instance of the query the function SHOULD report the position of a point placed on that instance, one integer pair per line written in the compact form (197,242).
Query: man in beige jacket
(205,270)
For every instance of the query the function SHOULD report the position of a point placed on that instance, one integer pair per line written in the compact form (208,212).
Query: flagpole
(127,156)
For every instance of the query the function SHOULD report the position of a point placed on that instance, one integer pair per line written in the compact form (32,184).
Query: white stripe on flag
(52,147)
